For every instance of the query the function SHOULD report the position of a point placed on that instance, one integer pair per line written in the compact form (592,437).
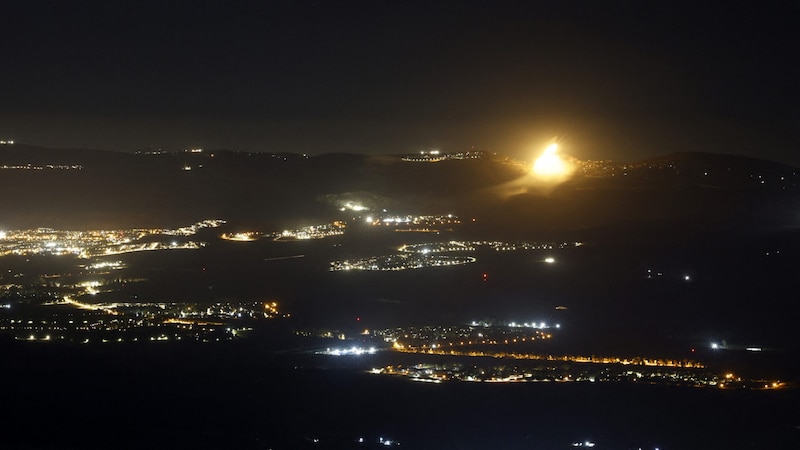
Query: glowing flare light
(550,163)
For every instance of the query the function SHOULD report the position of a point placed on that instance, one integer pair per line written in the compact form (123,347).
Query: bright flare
(550,163)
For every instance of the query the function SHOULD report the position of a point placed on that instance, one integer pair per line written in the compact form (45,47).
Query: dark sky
(388,76)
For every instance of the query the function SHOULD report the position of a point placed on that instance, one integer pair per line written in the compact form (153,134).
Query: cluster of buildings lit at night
(514,246)
(414,339)
(400,262)
(313,232)
(448,359)
(478,364)
(87,244)
(412,223)
(73,321)
(423,224)
(437,156)
(437,247)
(462,353)
(64,306)
(579,369)
(42,167)
(104,266)
(576,373)
(483,339)
(336,228)
(584,359)
(439,254)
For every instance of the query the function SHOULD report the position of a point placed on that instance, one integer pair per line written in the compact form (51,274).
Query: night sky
(613,82)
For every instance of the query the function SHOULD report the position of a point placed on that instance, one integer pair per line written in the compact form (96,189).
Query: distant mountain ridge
(171,188)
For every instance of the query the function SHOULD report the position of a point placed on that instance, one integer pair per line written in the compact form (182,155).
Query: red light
(358,319)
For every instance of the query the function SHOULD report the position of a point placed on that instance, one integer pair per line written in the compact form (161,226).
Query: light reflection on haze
(549,170)
(550,166)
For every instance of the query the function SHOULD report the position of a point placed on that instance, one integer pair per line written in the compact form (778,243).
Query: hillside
(77,188)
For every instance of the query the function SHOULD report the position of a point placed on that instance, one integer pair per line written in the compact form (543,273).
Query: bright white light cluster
(348,351)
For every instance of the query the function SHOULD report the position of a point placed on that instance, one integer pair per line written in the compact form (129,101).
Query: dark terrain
(730,223)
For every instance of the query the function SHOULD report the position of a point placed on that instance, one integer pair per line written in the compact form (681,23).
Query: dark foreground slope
(193,396)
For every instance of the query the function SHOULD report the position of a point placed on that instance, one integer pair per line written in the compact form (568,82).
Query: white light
(714,345)
(550,260)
